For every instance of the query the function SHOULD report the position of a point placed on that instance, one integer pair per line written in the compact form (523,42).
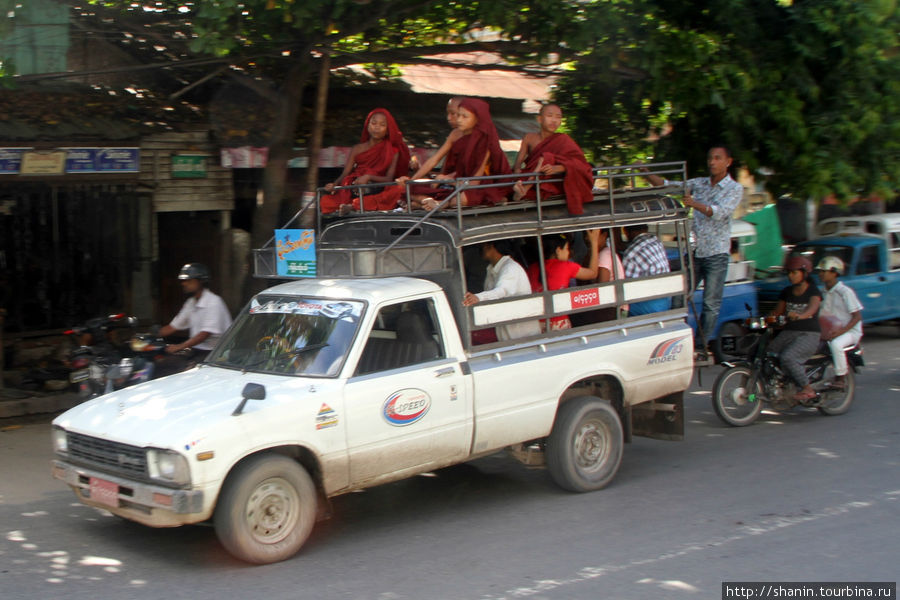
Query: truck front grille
(111,457)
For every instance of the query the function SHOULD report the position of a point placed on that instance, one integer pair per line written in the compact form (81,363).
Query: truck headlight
(168,466)
(60,440)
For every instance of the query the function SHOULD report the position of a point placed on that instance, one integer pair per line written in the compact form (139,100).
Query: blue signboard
(81,160)
(118,160)
(102,160)
(295,252)
(11,160)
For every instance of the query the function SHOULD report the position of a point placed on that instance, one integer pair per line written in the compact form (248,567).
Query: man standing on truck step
(505,278)
(713,199)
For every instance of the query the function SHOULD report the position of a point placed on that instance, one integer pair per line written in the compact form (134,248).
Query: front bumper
(152,505)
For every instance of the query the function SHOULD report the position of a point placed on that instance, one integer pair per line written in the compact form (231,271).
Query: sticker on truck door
(405,407)
(667,351)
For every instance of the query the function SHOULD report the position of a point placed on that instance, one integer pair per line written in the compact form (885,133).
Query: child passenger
(379,157)
(560,270)
(554,155)
(471,150)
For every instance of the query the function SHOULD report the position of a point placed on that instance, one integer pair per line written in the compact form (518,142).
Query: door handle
(444,372)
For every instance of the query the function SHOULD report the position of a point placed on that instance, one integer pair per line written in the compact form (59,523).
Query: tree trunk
(266,218)
(315,142)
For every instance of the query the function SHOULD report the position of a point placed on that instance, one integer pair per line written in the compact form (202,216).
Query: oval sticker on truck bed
(405,407)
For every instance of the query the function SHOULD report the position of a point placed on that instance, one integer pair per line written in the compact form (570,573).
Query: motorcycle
(97,349)
(745,385)
(100,365)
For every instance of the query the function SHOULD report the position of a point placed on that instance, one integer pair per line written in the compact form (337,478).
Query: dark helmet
(799,262)
(194,271)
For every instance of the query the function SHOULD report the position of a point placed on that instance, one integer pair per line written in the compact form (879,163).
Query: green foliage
(805,88)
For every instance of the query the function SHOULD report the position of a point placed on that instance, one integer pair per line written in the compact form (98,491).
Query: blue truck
(870,272)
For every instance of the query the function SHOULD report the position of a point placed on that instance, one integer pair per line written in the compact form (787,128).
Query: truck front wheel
(584,448)
(266,510)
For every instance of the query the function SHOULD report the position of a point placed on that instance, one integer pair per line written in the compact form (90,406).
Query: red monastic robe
(578,180)
(374,161)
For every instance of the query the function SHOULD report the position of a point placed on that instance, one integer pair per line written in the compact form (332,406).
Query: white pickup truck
(369,375)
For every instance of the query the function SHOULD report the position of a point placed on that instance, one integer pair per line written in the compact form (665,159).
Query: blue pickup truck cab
(869,271)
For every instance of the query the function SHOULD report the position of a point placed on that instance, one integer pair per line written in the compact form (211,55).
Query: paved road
(797,497)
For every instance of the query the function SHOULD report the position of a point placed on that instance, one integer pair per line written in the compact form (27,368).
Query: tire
(266,510)
(837,402)
(735,330)
(584,448)
(730,399)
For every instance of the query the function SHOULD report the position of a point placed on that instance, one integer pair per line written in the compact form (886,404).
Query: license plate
(79,375)
(104,492)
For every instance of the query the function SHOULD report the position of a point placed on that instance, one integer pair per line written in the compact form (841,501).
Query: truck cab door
(407,403)
(871,284)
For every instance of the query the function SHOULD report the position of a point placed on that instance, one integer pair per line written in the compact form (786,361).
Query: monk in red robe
(471,150)
(379,157)
(554,155)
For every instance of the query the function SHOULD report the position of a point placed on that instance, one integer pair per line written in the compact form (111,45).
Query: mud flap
(660,419)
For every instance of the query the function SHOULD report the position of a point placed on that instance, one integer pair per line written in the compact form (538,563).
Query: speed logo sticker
(405,407)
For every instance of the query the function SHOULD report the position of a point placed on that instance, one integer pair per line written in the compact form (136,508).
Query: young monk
(554,154)
(379,157)
(471,150)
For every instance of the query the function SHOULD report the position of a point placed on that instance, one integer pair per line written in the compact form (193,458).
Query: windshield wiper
(293,353)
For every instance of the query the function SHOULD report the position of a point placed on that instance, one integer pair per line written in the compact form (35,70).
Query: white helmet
(831,263)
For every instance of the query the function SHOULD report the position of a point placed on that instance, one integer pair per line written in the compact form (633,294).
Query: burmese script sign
(28,161)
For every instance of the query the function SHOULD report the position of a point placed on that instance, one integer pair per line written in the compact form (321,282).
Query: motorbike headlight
(168,466)
(60,440)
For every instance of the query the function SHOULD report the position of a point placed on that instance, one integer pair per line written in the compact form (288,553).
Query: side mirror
(251,391)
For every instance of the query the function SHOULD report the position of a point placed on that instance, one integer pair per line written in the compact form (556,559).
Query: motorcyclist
(204,314)
(799,339)
(841,316)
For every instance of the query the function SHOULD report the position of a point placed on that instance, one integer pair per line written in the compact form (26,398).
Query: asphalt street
(795,497)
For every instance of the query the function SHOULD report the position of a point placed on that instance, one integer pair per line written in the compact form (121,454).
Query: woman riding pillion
(799,303)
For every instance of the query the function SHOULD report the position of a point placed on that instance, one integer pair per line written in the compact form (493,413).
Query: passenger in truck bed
(560,271)
(554,155)
(474,152)
(380,157)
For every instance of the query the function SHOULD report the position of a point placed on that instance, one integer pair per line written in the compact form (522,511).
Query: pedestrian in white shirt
(842,315)
(505,278)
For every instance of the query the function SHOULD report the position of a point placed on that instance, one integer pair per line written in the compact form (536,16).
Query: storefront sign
(39,162)
(188,165)
(27,161)
(102,160)
(295,252)
(11,160)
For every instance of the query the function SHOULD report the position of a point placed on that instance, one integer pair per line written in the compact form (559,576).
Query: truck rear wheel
(584,448)
(266,510)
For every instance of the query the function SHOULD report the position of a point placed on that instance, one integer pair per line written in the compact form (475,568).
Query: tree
(285,39)
(808,89)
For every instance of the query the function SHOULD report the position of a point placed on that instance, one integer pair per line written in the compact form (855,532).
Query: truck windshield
(288,335)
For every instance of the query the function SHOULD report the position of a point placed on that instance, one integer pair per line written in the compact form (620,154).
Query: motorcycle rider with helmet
(204,314)
(799,339)
(841,316)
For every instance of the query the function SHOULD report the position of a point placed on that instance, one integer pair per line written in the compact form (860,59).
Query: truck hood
(165,412)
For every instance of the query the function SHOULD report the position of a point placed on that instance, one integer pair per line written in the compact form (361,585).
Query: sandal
(802,396)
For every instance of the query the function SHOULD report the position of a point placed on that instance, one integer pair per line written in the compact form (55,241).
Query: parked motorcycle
(745,385)
(97,350)
(100,365)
